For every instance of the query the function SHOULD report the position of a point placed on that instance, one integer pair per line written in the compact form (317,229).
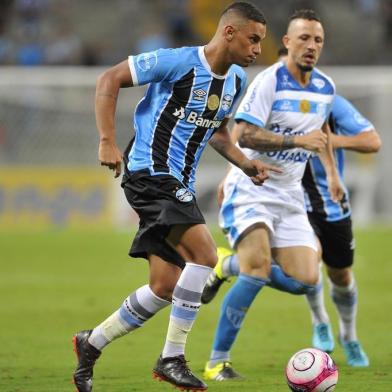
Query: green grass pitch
(55,283)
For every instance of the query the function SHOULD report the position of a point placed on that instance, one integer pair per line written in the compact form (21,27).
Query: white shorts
(281,210)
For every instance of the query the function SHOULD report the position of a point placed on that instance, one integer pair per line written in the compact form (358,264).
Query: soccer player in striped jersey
(191,94)
(282,120)
(332,224)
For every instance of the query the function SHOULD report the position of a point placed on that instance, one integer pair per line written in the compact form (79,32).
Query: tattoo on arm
(263,140)
(288,142)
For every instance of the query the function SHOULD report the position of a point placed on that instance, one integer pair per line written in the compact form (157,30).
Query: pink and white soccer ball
(311,370)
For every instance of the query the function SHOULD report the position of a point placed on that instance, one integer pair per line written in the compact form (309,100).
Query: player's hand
(315,141)
(258,171)
(335,188)
(220,193)
(109,155)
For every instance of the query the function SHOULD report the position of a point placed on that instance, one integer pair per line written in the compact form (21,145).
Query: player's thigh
(294,230)
(319,249)
(194,243)
(254,252)
(244,206)
(300,262)
(163,277)
(295,246)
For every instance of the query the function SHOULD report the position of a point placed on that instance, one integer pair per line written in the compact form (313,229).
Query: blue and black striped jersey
(344,120)
(184,104)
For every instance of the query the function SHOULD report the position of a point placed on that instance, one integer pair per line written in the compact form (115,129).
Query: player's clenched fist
(315,141)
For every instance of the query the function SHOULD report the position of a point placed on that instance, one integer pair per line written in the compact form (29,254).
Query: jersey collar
(204,61)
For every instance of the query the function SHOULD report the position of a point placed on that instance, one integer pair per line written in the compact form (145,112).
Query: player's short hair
(306,14)
(247,11)
(282,51)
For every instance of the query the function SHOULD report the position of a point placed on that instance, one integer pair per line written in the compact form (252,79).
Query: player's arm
(234,134)
(107,90)
(365,142)
(255,169)
(220,194)
(327,158)
(260,139)
(253,114)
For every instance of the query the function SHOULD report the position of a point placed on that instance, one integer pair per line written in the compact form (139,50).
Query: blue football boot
(355,355)
(323,338)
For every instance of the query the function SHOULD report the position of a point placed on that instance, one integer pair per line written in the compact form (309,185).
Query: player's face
(304,41)
(245,43)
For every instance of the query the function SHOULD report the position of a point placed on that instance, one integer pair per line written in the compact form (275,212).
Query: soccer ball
(311,370)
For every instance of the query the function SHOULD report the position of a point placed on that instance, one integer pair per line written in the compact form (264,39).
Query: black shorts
(161,202)
(336,238)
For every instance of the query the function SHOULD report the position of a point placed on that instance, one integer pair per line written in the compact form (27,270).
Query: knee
(205,256)
(311,279)
(340,277)
(258,266)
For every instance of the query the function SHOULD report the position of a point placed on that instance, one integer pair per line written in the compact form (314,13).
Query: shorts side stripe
(228,217)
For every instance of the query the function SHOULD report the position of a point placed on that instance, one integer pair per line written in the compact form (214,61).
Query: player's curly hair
(247,11)
(306,14)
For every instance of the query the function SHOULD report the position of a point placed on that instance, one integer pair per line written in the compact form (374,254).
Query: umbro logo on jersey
(194,118)
(199,95)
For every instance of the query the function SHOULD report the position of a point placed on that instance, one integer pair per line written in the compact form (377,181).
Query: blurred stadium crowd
(99,32)
(48,138)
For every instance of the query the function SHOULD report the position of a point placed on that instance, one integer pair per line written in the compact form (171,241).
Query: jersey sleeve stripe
(131,64)
(368,128)
(250,119)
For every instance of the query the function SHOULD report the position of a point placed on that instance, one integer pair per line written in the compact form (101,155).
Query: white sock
(140,306)
(345,299)
(316,303)
(186,304)
(230,266)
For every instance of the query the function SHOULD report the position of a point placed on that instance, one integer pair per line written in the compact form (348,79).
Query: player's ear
(229,32)
(285,41)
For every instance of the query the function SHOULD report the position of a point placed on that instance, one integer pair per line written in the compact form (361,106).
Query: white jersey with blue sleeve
(183,106)
(345,120)
(275,101)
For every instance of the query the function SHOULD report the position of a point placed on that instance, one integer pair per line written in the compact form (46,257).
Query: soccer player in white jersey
(281,120)
(332,224)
